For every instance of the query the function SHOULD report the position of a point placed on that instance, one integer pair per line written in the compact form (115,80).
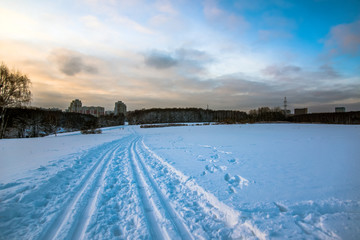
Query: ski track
(28,209)
(118,213)
(120,189)
(83,221)
(80,207)
(151,210)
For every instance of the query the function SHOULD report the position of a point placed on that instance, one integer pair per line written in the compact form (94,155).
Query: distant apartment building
(120,107)
(300,111)
(76,106)
(340,109)
(95,111)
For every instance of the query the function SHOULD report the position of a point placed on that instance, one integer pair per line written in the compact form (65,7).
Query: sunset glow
(226,54)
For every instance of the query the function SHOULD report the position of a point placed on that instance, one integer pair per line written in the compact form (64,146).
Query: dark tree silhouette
(14,91)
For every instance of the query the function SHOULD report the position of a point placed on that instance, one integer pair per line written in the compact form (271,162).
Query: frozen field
(261,181)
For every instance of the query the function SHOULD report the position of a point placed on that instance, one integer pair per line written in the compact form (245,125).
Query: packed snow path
(119,189)
(169,184)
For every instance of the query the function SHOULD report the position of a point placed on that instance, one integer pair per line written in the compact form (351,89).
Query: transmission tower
(285,106)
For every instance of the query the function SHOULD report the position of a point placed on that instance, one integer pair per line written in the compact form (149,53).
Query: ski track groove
(118,213)
(182,231)
(87,187)
(150,210)
(90,207)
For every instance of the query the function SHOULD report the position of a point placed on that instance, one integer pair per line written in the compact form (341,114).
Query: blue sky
(226,54)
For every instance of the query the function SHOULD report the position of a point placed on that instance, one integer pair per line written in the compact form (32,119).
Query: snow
(20,155)
(253,181)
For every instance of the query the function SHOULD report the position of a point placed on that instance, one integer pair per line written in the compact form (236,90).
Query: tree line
(31,122)
(328,118)
(262,114)
(176,115)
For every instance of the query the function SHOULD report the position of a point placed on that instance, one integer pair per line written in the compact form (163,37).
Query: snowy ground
(261,181)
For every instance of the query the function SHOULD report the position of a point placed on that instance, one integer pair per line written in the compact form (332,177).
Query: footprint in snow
(236,181)
(232,160)
(211,168)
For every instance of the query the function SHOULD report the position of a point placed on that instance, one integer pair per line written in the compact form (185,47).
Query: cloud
(160,60)
(187,59)
(274,27)
(328,71)
(193,55)
(281,71)
(165,6)
(15,25)
(298,75)
(222,18)
(192,62)
(262,4)
(149,87)
(122,14)
(92,22)
(242,92)
(131,24)
(344,39)
(72,63)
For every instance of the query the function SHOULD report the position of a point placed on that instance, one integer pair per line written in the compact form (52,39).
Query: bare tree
(14,91)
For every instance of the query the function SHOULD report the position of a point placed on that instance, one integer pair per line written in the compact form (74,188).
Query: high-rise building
(75,106)
(120,107)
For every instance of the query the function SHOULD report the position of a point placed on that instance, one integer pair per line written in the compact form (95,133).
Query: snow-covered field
(260,181)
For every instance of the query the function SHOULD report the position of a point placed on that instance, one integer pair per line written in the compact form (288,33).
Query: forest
(328,118)
(34,122)
(176,115)
(262,114)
